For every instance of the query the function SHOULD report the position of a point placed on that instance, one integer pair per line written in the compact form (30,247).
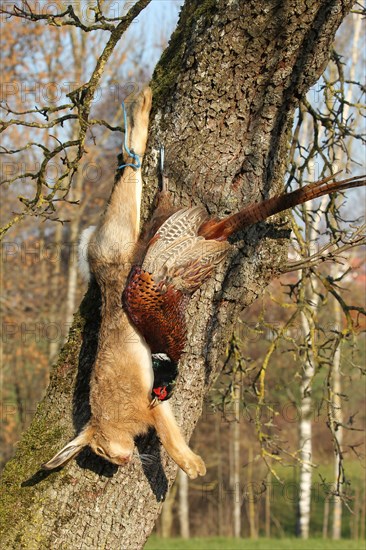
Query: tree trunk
(251,497)
(72,276)
(183,504)
(167,513)
(309,302)
(363,513)
(235,442)
(220,480)
(356,514)
(325,517)
(305,436)
(337,378)
(54,289)
(224,95)
(338,418)
(267,513)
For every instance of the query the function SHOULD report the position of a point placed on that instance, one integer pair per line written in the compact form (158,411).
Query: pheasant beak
(154,403)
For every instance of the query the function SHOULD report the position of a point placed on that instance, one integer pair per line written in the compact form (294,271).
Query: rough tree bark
(224,95)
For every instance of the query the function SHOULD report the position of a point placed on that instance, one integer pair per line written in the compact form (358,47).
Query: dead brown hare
(122,377)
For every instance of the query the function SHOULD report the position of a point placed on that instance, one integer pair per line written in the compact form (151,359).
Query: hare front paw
(193,466)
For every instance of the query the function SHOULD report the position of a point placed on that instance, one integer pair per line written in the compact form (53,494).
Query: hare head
(116,447)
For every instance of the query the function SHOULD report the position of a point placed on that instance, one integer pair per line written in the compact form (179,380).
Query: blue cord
(130,153)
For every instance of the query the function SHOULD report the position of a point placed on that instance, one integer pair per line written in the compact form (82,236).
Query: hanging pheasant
(180,256)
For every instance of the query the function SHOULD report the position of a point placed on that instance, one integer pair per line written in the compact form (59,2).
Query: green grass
(155,543)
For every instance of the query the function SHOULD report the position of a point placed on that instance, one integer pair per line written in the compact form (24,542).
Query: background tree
(268,56)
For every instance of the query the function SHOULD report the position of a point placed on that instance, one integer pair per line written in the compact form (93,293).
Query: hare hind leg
(138,117)
(118,230)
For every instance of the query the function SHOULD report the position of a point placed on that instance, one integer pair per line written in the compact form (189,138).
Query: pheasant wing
(176,234)
(195,264)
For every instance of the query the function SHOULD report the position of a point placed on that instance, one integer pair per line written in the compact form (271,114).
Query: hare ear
(70,450)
